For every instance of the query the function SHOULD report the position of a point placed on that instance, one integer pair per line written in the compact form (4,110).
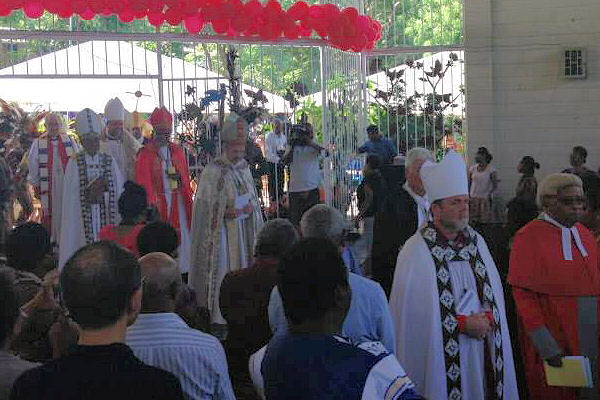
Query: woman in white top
(483,181)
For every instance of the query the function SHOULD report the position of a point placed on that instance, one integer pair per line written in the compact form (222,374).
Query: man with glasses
(556,283)
(162,170)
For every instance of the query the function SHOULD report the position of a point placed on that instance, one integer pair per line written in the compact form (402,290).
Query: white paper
(241,202)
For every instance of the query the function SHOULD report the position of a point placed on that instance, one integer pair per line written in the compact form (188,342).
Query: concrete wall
(518,103)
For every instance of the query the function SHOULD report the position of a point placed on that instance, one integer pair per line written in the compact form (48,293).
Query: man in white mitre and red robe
(447,300)
(162,169)
(118,142)
(227,217)
(91,190)
(48,158)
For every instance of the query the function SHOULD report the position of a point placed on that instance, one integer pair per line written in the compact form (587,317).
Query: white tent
(452,81)
(101,70)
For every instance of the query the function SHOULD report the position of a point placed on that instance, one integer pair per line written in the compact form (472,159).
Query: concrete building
(518,100)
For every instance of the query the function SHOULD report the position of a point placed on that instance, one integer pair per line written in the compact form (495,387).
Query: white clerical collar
(420,200)
(567,234)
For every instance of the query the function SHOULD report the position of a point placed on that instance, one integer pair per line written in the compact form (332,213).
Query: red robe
(148,173)
(546,290)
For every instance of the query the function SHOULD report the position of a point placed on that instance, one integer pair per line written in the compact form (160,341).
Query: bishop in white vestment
(92,187)
(226,218)
(447,300)
(118,142)
(48,158)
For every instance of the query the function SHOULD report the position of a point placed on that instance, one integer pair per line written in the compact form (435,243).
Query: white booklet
(241,202)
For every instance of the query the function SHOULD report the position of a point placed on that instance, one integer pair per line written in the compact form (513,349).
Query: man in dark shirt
(245,296)
(101,287)
(379,146)
(312,361)
(591,183)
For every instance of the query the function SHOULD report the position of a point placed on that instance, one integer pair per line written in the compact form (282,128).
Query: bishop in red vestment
(555,279)
(162,169)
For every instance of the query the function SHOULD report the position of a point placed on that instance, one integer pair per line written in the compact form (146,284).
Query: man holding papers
(226,218)
(447,300)
(556,283)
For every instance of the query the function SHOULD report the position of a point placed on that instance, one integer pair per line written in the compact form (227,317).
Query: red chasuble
(149,174)
(547,290)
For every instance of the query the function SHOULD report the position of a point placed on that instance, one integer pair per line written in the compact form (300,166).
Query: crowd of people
(131,286)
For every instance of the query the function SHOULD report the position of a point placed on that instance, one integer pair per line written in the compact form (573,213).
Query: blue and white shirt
(368,319)
(165,341)
(315,366)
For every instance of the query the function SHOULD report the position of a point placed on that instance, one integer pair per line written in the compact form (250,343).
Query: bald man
(159,337)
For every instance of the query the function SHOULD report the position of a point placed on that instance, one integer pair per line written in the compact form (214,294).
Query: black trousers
(276,185)
(300,202)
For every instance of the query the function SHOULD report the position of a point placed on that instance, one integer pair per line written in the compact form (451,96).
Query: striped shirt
(165,341)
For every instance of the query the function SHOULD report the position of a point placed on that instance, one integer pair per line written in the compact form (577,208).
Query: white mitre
(114,110)
(87,122)
(448,178)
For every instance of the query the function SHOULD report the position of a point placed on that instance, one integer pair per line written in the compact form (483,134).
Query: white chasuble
(57,175)
(73,229)
(220,244)
(184,247)
(415,307)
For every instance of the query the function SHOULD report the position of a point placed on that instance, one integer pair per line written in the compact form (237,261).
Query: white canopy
(99,64)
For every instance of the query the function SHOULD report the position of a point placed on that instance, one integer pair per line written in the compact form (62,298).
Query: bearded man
(447,300)
(227,218)
(91,190)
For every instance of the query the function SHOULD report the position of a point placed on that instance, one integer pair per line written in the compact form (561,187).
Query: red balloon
(240,23)
(252,9)
(351,13)
(51,6)
(13,4)
(78,6)
(156,19)
(193,23)
(220,26)
(292,32)
(33,9)
(97,6)
(126,16)
(137,5)
(173,16)
(155,6)
(298,10)
(305,32)
(4,10)
(65,11)
(87,14)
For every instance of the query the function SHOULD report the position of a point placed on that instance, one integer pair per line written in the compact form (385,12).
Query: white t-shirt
(305,174)
(481,181)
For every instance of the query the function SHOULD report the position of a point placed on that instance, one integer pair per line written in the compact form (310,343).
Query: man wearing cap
(227,218)
(118,142)
(48,158)
(447,300)
(162,170)
(555,280)
(91,190)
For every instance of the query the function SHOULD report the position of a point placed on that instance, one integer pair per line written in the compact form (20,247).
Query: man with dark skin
(555,280)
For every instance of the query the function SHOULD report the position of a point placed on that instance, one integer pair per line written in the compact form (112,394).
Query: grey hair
(323,221)
(554,183)
(275,238)
(416,154)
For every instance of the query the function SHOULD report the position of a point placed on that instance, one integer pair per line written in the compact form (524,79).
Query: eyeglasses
(571,201)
